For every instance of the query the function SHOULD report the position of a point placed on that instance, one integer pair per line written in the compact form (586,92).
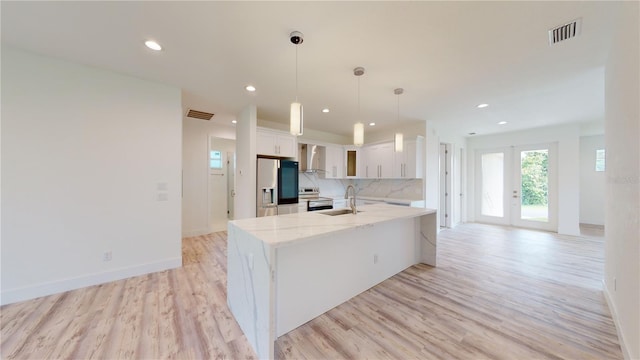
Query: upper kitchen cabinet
(275,143)
(332,157)
(379,161)
(352,160)
(409,164)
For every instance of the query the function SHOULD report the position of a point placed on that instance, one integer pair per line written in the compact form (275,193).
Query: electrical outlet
(375,258)
(106,256)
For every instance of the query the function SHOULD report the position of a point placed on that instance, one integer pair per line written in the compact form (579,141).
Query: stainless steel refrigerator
(277,187)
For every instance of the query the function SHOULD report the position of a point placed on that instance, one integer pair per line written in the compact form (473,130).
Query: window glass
(600,160)
(215,159)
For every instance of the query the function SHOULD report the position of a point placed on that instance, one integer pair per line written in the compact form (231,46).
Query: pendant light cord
(359,98)
(398,118)
(296,73)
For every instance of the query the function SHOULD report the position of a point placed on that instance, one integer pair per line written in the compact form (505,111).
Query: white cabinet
(378,161)
(332,158)
(409,163)
(274,143)
(352,160)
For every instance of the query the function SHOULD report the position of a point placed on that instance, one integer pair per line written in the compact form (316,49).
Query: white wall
(567,137)
(432,169)
(310,135)
(408,130)
(195,172)
(245,199)
(87,155)
(592,182)
(622,131)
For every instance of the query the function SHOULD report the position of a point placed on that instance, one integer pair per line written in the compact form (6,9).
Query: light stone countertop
(287,229)
(385,199)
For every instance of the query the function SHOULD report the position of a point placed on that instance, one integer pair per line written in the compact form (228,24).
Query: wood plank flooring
(497,293)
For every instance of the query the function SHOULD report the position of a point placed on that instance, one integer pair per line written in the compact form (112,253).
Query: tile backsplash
(328,187)
(409,189)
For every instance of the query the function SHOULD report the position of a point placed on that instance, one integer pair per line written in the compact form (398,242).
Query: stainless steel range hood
(309,157)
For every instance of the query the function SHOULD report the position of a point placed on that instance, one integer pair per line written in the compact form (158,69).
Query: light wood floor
(497,293)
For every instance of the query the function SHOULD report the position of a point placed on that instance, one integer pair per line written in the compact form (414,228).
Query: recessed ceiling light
(153,45)
(325,110)
(250,88)
(502,122)
(234,121)
(372,124)
(482,106)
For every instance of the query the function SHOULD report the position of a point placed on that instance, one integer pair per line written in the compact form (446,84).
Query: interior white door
(231,183)
(517,186)
(218,195)
(445,185)
(221,182)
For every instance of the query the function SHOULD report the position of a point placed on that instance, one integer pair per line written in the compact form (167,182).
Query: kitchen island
(283,271)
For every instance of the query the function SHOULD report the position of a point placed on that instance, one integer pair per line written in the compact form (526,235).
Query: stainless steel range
(314,201)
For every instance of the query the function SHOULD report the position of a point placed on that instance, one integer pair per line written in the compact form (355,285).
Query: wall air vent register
(565,32)
(199,114)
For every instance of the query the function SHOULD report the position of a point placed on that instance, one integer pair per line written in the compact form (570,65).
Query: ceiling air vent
(564,32)
(199,114)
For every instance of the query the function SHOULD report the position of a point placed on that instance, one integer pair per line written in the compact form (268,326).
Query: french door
(517,186)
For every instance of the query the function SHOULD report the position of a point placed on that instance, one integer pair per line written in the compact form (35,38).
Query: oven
(319,204)
(315,202)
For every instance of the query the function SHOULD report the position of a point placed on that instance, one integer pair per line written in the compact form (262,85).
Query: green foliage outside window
(535,188)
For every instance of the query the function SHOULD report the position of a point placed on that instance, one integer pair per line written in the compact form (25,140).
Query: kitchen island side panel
(251,290)
(315,276)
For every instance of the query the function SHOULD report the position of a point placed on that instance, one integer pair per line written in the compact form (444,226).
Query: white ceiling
(448,56)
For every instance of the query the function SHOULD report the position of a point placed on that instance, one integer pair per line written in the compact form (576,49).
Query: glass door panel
(534,185)
(533,192)
(492,184)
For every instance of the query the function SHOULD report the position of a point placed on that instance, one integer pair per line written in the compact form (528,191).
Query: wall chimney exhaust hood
(309,157)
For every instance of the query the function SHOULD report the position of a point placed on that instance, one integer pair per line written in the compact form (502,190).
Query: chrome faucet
(352,201)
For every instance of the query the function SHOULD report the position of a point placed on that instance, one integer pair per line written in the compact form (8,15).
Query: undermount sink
(338,212)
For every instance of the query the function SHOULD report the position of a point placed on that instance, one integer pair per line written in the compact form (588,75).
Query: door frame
(446,185)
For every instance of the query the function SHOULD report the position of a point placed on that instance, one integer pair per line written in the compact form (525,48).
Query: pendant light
(358,128)
(398,139)
(296,121)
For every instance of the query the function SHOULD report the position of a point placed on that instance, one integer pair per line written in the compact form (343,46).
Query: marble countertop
(287,229)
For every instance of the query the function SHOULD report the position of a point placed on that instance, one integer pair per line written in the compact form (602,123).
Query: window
(215,159)
(600,163)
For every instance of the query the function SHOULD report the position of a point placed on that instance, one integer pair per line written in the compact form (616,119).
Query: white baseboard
(197,232)
(43,289)
(614,316)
